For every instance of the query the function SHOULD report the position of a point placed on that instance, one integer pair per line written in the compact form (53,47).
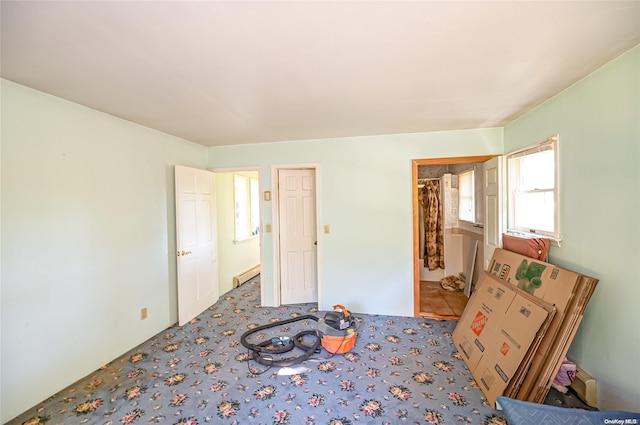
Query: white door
(298,239)
(196,242)
(493,214)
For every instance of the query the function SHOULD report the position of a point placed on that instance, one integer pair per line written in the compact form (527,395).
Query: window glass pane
(241,207)
(534,210)
(537,171)
(255,207)
(466,196)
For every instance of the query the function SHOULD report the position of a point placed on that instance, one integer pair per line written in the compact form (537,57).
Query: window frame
(250,203)
(551,143)
(471,172)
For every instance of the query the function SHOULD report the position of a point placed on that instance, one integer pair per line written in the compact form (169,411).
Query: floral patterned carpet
(401,371)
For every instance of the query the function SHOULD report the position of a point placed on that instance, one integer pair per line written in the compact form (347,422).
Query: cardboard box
(489,327)
(552,284)
(500,326)
(481,320)
(568,291)
(541,371)
(518,330)
(540,374)
(553,363)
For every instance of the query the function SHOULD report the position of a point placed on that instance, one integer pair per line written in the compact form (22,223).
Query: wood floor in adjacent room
(439,303)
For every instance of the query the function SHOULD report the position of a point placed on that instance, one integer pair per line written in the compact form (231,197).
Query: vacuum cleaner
(338,329)
(336,332)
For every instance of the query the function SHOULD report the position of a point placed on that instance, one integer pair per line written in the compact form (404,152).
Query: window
(247,206)
(255,206)
(532,184)
(466,196)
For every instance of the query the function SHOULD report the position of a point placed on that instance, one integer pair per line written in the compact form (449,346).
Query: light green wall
(233,257)
(87,240)
(598,120)
(365,189)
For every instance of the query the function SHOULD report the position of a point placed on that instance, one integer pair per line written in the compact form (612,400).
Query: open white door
(494,223)
(298,238)
(196,242)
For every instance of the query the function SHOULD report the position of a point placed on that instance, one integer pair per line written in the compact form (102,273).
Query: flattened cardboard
(568,291)
(543,368)
(481,319)
(518,330)
(538,282)
(545,281)
(500,326)
(553,363)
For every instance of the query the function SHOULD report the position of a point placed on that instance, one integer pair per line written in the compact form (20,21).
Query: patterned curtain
(434,246)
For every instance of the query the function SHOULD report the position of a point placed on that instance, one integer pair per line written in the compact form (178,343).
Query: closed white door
(493,227)
(196,242)
(298,237)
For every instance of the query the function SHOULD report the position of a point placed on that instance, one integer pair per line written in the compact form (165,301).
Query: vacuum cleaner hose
(263,351)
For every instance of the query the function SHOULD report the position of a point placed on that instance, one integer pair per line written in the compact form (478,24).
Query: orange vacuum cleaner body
(338,330)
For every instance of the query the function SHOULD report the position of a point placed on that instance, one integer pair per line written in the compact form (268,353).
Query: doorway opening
(459,238)
(238,192)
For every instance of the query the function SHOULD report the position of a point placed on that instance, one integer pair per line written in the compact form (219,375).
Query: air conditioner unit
(585,387)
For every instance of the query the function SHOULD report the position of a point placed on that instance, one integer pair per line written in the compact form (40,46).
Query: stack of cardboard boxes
(519,323)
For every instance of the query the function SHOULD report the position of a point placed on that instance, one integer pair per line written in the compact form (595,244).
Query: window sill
(250,238)
(552,241)
(471,227)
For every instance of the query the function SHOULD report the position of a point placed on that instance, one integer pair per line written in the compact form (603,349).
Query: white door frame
(497,222)
(276,228)
(416,237)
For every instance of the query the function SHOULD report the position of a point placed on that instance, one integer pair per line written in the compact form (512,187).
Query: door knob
(183,252)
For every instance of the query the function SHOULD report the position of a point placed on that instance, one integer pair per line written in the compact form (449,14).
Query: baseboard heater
(585,387)
(246,275)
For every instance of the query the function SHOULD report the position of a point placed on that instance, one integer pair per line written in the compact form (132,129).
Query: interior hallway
(438,303)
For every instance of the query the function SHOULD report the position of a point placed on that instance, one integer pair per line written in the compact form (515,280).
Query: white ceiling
(221,73)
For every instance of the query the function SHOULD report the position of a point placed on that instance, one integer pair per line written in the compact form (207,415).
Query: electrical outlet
(143,313)
(327,228)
